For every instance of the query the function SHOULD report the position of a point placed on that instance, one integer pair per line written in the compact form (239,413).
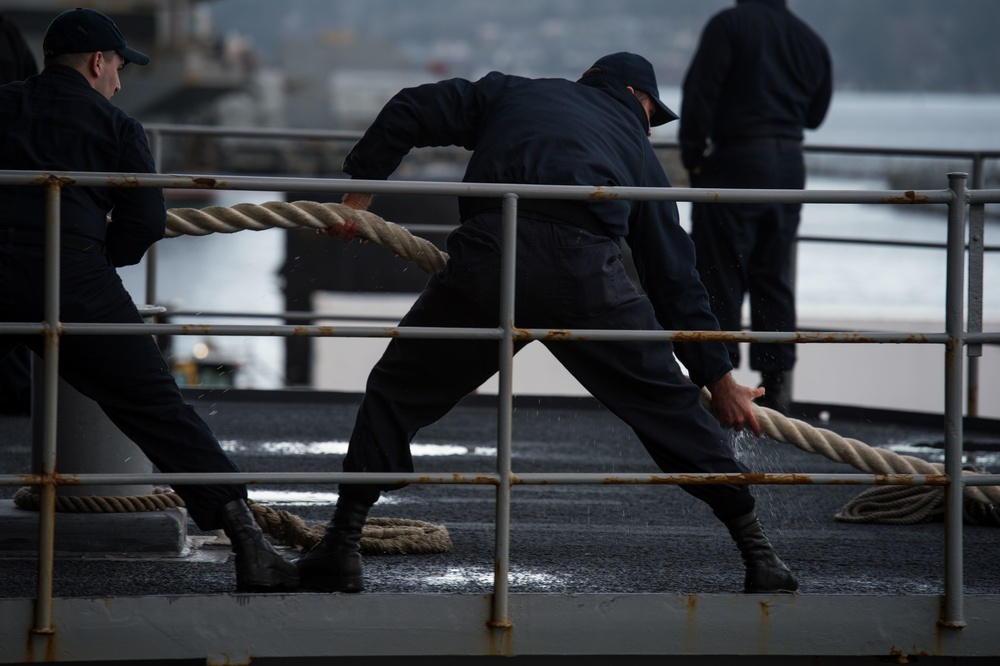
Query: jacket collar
(66,73)
(619,92)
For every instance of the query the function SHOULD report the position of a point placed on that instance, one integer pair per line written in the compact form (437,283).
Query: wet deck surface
(565,539)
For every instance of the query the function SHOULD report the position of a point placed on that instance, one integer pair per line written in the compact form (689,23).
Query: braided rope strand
(291,215)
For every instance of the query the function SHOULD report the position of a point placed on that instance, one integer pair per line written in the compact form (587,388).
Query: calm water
(238,272)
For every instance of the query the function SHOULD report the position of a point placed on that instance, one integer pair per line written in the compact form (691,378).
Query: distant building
(191,66)
(344,81)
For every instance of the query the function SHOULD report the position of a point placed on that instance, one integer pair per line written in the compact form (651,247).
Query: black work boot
(259,567)
(765,572)
(778,391)
(334,564)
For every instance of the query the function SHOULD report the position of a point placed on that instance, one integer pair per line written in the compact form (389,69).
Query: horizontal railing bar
(981,479)
(252,132)
(569,192)
(981,338)
(983,196)
(521,334)
(351,316)
(902,152)
(660,144)
(746,336)
(286,330)
(886,242)
(533,478)
(291,315)
(539,478)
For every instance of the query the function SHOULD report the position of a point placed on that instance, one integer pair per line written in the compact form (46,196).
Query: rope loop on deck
(380,536)
(908,505)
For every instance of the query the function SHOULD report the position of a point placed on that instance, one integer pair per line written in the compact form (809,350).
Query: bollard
(87,442)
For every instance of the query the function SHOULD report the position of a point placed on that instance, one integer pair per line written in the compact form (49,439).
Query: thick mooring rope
(880,504)
(856,453)
(223,219)
(27,498)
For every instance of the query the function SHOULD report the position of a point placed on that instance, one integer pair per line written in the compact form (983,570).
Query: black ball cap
(634,70)
(87,31)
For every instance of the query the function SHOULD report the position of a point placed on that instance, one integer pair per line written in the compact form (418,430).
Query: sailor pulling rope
(345,221)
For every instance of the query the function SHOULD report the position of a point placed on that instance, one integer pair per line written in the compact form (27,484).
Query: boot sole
(267,588)
(285,585)
(332,584)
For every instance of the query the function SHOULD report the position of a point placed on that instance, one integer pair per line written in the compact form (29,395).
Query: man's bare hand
(348,231)
(732,404)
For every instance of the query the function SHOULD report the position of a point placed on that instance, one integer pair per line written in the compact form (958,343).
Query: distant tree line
(889,45)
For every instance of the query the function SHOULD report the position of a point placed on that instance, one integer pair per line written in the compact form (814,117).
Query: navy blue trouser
(747,248)
(125,374)
(566,278)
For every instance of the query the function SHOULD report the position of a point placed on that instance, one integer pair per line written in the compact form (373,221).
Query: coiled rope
(380,536)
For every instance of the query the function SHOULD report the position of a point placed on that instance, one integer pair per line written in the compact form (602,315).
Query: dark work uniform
(56,121)
(760,75)
(569,272)
(16,60)
(16,64)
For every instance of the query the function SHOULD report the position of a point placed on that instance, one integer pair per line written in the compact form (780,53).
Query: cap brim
(663,114)
(131,55)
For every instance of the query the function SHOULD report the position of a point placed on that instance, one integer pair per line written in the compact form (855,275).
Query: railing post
(977,245)
(156,137)
(42,631)
(501,592)
(953,612)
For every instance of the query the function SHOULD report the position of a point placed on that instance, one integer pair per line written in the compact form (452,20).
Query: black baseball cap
(87,31)
(634,70)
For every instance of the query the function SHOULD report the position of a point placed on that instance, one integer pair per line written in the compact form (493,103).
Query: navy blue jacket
(55,121)
(557,132)
(759,71)
(17,62)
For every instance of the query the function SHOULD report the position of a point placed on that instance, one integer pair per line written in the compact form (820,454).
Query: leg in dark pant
(747,248)
(125,374)
(128,377)
(722,242)
(418,381)
(414,384)
(641,383)
(15,382)
(772,295)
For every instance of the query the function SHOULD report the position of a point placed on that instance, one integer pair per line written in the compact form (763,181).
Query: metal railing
(954,338)
(976,160)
